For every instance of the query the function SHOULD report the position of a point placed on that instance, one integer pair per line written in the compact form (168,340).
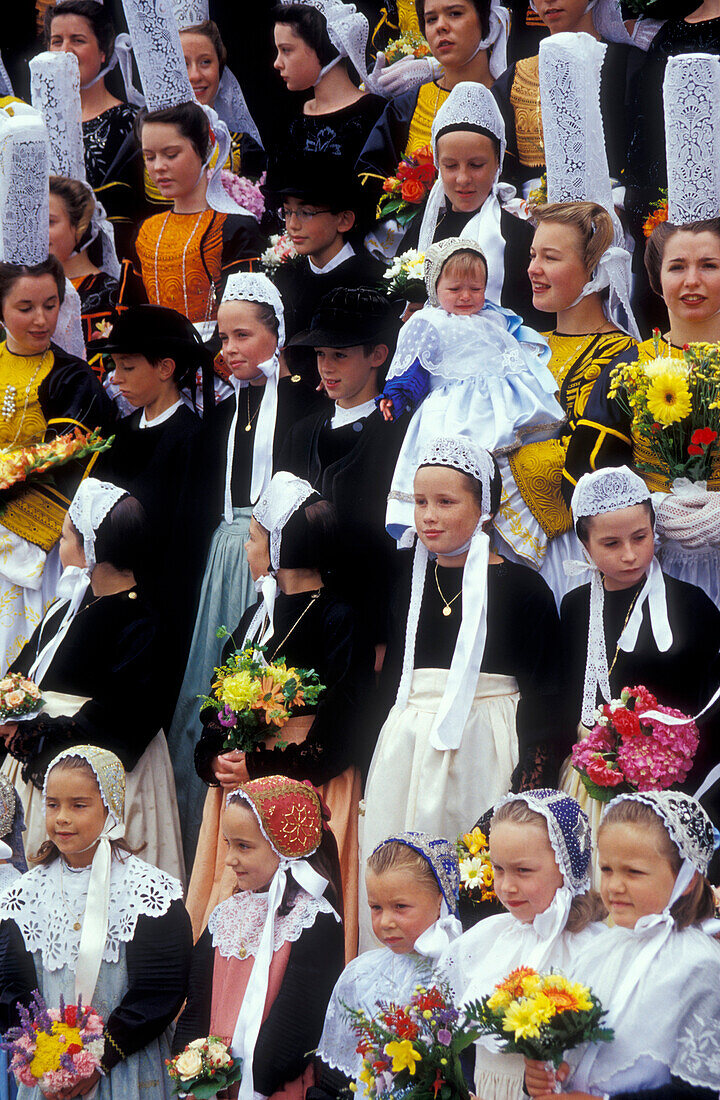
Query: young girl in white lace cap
(540,851)
(412,888)
(468,367)
(93,920)
(657,971)
(264,968)
(642,626)
(476,705)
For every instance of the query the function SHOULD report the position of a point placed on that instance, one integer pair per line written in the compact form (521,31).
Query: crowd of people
(371,355)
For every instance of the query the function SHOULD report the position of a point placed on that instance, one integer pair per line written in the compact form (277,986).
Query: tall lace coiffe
(691,96)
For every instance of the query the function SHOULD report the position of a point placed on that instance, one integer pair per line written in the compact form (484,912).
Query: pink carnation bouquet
(57,1048)
(631,748)
(245,192)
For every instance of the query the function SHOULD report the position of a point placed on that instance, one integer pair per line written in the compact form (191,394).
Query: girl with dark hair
(112,163)
(477,703)
(264,968)
(468,38)
(95,657)
(315,44)
(290,548)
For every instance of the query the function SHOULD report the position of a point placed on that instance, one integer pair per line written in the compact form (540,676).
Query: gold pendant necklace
(248,426)
(447,609)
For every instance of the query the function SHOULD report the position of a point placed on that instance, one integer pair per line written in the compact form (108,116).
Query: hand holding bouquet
(415,1050)
(409,44)
(542,1015)
(204,1068)
(55,1049)
(254,699)
(476,870)
(18,697)
(632,749)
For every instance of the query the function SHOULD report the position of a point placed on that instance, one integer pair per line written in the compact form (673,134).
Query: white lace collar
(47,915)
(236,925)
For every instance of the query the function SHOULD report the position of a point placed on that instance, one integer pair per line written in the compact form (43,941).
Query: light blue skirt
(227,590)
(8,1088)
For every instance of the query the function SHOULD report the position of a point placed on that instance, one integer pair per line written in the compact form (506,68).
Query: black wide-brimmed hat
(151,331)
(321,179)
(346,318)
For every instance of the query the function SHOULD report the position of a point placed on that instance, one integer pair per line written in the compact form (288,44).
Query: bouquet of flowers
(406,278)
(631,749)
(658,214)
(254,699)
(18,697)
(204,1068)
(55,1049)
(538,196)
(674,405)
(542,1015)
(281,251)
(415,1050)
(405,191)
(476,870)
(17,464)
(409,44)
(244,191)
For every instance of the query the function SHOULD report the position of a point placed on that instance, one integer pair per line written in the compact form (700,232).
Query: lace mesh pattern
(691,93)
(158,52)
(91,503)
(281,499)
(607,490)
(24,194)
(472,105)
(236,925)
(55,90)
(190,13)
(246,287)
(685,820)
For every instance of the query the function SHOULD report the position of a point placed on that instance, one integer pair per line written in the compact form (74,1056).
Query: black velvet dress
(328,639)
(341,133)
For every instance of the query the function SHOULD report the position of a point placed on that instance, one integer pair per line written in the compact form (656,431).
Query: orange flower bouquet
(404,192)
(254,699)
(18,464)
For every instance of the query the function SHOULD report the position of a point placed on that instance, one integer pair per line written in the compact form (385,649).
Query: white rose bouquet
(204,1068)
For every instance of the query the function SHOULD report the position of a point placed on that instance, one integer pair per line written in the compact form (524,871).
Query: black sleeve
(501,90)
(602,436)
(292,1030)
(194,1022)
(243,242)
(17,974)
(386,142)
(158,962)
(333,741)
(72,392)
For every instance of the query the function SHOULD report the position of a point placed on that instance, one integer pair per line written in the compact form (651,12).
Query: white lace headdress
(691,95)
(246,287)
(55,91)
(609,490)
(229,102)
(282,498)
(163,72)
(576,158)
(348,31)
(456,454)
(469,106)
(437,256)
(90,505)
(24,194)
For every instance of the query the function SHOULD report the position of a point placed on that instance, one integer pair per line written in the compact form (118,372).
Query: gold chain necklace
(248,426)
(627,619)
(315,596)
(447,610)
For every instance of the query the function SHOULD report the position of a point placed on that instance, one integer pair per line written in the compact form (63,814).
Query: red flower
(413,191)
(424,155)
(644,699)
(425,173)
(405,170)
(603,773)
(626,722)
(655,428)
(74,1048)
(703,437)
(71,1015)
(392,183)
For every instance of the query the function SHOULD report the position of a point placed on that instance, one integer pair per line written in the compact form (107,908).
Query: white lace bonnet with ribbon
(576,157)
(163,72)
(469,106)
(229,102)
(348,31)
(437,255)
(465,456)
(55,92)
(608,490)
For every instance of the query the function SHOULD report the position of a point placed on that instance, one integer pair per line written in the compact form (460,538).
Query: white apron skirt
(152,822)
(498,1076)
(411,785)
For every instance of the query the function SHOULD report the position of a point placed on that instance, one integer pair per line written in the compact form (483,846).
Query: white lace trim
(24,194)
(607,490)
(236,925)
(46,921)
(279,502)
(691,93)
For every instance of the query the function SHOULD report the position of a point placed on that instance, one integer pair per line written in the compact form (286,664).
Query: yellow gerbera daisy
(668,398)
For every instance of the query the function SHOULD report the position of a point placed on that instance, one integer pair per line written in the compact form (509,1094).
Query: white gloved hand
(404,75)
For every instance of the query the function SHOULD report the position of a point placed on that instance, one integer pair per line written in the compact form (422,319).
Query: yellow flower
(668,398)
(238,691)
(404,1056)
(367,1077)
(656,367)
(48,1048)
(475,841)
(526,1017)
(500,1000)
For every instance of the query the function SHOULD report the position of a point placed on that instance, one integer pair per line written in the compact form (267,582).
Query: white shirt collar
(145,423)
(342,417)
(345,253)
